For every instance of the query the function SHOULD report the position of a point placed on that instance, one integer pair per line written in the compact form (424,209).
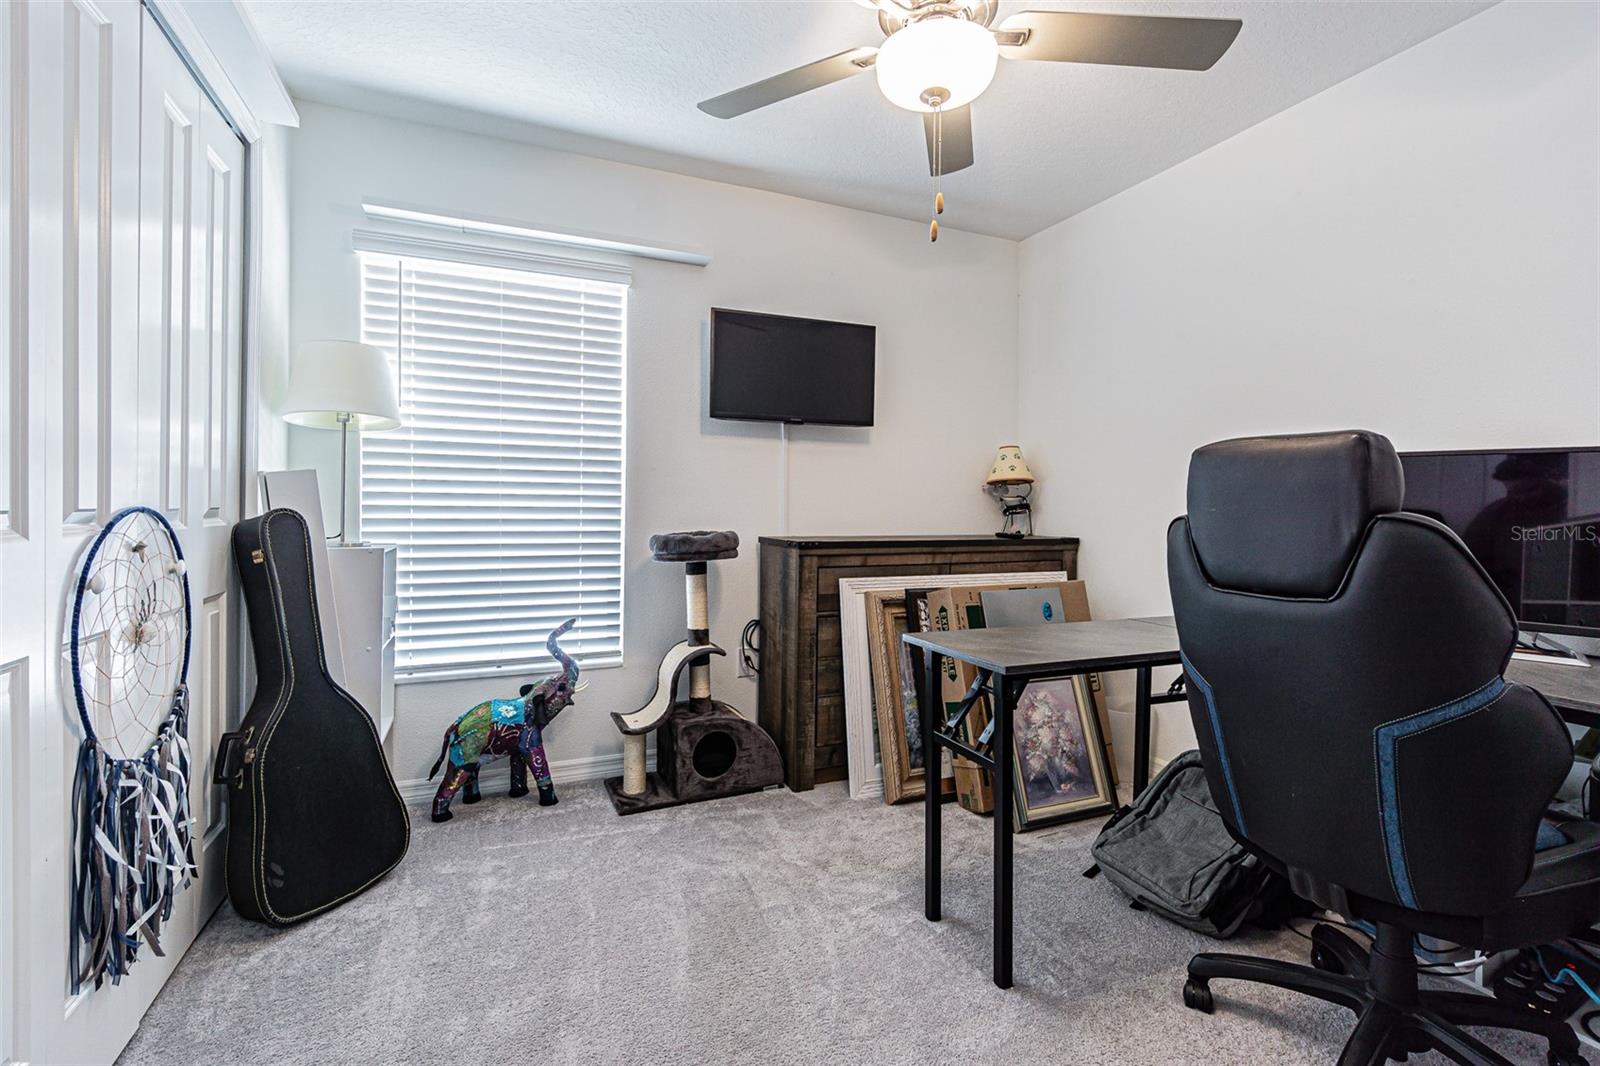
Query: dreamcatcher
(129,651)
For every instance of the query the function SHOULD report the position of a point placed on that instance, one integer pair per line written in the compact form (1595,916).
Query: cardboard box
(974,785)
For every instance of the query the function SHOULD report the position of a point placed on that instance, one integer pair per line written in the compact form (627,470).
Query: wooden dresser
(802,674)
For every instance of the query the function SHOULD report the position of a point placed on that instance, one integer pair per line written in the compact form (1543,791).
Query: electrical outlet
(745,668)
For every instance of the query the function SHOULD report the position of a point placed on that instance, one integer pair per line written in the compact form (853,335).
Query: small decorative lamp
(1011,482)
(340,385)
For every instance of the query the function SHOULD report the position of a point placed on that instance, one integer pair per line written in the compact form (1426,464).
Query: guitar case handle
(232,755)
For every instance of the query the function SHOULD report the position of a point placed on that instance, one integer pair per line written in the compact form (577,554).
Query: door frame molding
(223,51)
(235,56)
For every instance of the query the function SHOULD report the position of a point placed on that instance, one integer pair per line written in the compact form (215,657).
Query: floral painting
(910,717)
(1060,761)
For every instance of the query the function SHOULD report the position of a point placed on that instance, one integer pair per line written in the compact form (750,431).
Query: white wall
(1413,251)
(270,221)
(946,317)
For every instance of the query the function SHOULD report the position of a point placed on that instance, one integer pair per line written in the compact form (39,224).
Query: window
(503,488)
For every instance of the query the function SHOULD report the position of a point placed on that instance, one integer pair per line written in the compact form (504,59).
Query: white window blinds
(503,488)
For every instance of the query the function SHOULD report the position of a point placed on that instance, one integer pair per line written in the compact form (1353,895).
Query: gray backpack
(1170,853)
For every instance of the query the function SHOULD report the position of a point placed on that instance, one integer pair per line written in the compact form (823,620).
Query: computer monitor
(1531,517)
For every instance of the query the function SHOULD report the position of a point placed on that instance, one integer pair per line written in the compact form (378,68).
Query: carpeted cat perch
(705,749)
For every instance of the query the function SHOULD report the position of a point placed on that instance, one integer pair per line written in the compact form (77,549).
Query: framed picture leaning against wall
(894,701)
(855,631)
(1059,757)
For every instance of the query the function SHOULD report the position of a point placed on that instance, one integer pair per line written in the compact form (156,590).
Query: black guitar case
(314,815)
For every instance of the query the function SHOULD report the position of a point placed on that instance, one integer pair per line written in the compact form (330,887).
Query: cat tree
(705,749)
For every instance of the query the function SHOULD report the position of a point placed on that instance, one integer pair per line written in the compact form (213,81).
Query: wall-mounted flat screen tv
(1531,517)
(772,368)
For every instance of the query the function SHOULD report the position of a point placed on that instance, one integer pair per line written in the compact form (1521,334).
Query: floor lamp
(341,385)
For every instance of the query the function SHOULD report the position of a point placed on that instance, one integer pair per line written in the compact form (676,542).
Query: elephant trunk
(560,656)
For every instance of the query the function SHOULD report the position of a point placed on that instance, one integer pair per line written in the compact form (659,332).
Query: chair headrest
(1283,516)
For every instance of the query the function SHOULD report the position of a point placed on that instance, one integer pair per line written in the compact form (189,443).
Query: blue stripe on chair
(1216,735)
(1387,737)
(1550,835)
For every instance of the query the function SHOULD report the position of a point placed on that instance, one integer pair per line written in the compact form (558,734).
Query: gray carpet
(774,928)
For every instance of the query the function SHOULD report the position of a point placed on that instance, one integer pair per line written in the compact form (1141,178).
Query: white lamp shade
(1009,468)
(333,378)
(943,52)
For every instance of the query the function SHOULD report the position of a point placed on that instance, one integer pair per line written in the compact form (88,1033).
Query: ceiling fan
(940,55)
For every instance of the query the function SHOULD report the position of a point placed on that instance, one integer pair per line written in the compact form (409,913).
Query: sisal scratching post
(694,587)
(633,780)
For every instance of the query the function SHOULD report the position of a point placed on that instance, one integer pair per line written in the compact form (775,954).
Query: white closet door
(22,656)
(130,378)
(213,472)
(82,149)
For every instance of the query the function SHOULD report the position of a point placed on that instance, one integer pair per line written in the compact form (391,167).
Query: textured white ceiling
(620,81)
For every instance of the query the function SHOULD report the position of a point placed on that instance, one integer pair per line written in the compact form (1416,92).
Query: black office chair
(1344,661)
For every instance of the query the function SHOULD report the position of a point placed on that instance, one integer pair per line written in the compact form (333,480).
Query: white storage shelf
(364,595)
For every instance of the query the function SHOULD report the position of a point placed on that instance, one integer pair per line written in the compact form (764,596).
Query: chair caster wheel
(1197,996)
(1326,961)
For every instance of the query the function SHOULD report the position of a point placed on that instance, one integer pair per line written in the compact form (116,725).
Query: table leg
(932,759)
(1141,732)
(1005,704)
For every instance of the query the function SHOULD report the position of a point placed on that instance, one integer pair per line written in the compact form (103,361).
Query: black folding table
(1006,659)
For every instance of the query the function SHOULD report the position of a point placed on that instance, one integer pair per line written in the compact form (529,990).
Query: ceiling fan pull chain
(938,169)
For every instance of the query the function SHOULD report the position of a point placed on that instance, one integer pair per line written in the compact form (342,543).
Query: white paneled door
(120,383)
(191,275)
(21,553)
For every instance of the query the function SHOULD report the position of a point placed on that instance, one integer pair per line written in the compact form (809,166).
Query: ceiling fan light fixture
(944,59)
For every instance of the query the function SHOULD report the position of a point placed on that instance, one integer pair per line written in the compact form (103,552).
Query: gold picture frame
(895,705)
(1059,766)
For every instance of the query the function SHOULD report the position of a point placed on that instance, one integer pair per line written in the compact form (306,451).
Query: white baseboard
(497,778)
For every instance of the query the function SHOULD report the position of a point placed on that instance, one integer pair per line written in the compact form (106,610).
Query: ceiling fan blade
(790,83)
(957,139)
(1117,40)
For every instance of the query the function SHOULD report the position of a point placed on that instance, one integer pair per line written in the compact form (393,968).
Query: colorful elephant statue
(496,729)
